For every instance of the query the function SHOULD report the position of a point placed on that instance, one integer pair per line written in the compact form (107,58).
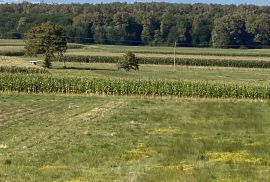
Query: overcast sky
(257,2)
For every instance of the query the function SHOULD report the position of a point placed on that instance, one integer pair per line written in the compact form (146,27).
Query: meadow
(89,121)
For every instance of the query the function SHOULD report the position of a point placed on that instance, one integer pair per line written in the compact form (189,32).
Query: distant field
(18,65)
(152,50)
(163,72)
(11,42)
(11,48)
(179,50)
(158,55)
(14,62)
(75,138)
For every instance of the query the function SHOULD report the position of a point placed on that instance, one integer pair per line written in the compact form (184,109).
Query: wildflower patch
(166,131)
(236,157)
(139,152)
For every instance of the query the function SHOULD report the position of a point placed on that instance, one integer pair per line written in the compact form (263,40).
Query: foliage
(46,39)
(145,23)
(230,31)
(128,62)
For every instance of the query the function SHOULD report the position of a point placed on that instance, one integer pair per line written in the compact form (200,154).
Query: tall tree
(259,27)
(46,39)
(201,31)
(184,31)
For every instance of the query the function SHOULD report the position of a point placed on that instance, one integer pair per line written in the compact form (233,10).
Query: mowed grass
(11,42)
(163,72)
(170,50)
(11,48)
(15,62)
(79,52)
(78,138)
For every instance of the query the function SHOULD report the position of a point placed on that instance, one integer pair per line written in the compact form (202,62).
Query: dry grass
(17,65)
(17,62)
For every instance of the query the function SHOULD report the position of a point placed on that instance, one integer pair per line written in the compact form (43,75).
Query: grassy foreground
(77,138)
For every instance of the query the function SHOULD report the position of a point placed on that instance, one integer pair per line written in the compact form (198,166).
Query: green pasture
(78,138)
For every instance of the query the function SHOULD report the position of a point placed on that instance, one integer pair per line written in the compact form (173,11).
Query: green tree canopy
(46,39)
(128,62)
(230,31)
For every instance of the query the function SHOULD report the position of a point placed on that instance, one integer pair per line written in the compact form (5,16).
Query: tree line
(224,26)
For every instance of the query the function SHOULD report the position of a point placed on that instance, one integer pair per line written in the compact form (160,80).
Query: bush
(128,62)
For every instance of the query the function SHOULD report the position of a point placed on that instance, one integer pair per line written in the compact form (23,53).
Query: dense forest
(243,26)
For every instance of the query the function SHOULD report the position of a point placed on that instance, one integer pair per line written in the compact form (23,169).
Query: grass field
(76,138)
(163,72)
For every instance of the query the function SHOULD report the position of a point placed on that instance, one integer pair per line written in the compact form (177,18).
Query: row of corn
(11,53)
(168,61)
(28,70)
(51,84)
(193,51)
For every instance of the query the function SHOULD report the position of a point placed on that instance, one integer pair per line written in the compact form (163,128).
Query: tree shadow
(93,69)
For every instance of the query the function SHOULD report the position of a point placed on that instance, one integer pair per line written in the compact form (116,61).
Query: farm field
(147,51)
(12,44)
(179,50)
(90,121)
(78,138)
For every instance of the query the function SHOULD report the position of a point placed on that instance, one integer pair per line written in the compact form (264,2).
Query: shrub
(128,62)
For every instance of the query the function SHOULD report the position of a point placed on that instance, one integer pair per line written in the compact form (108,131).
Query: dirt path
(102,111)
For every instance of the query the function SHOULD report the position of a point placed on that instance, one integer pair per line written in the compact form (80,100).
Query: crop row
(51,84)
(11,53)
(28,70)
(74,46)
(200,53)
(168,61)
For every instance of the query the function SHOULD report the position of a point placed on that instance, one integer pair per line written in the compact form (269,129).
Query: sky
(257,2)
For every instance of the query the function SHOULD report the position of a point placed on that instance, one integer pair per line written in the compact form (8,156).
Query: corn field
(169,61)
(50,84)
